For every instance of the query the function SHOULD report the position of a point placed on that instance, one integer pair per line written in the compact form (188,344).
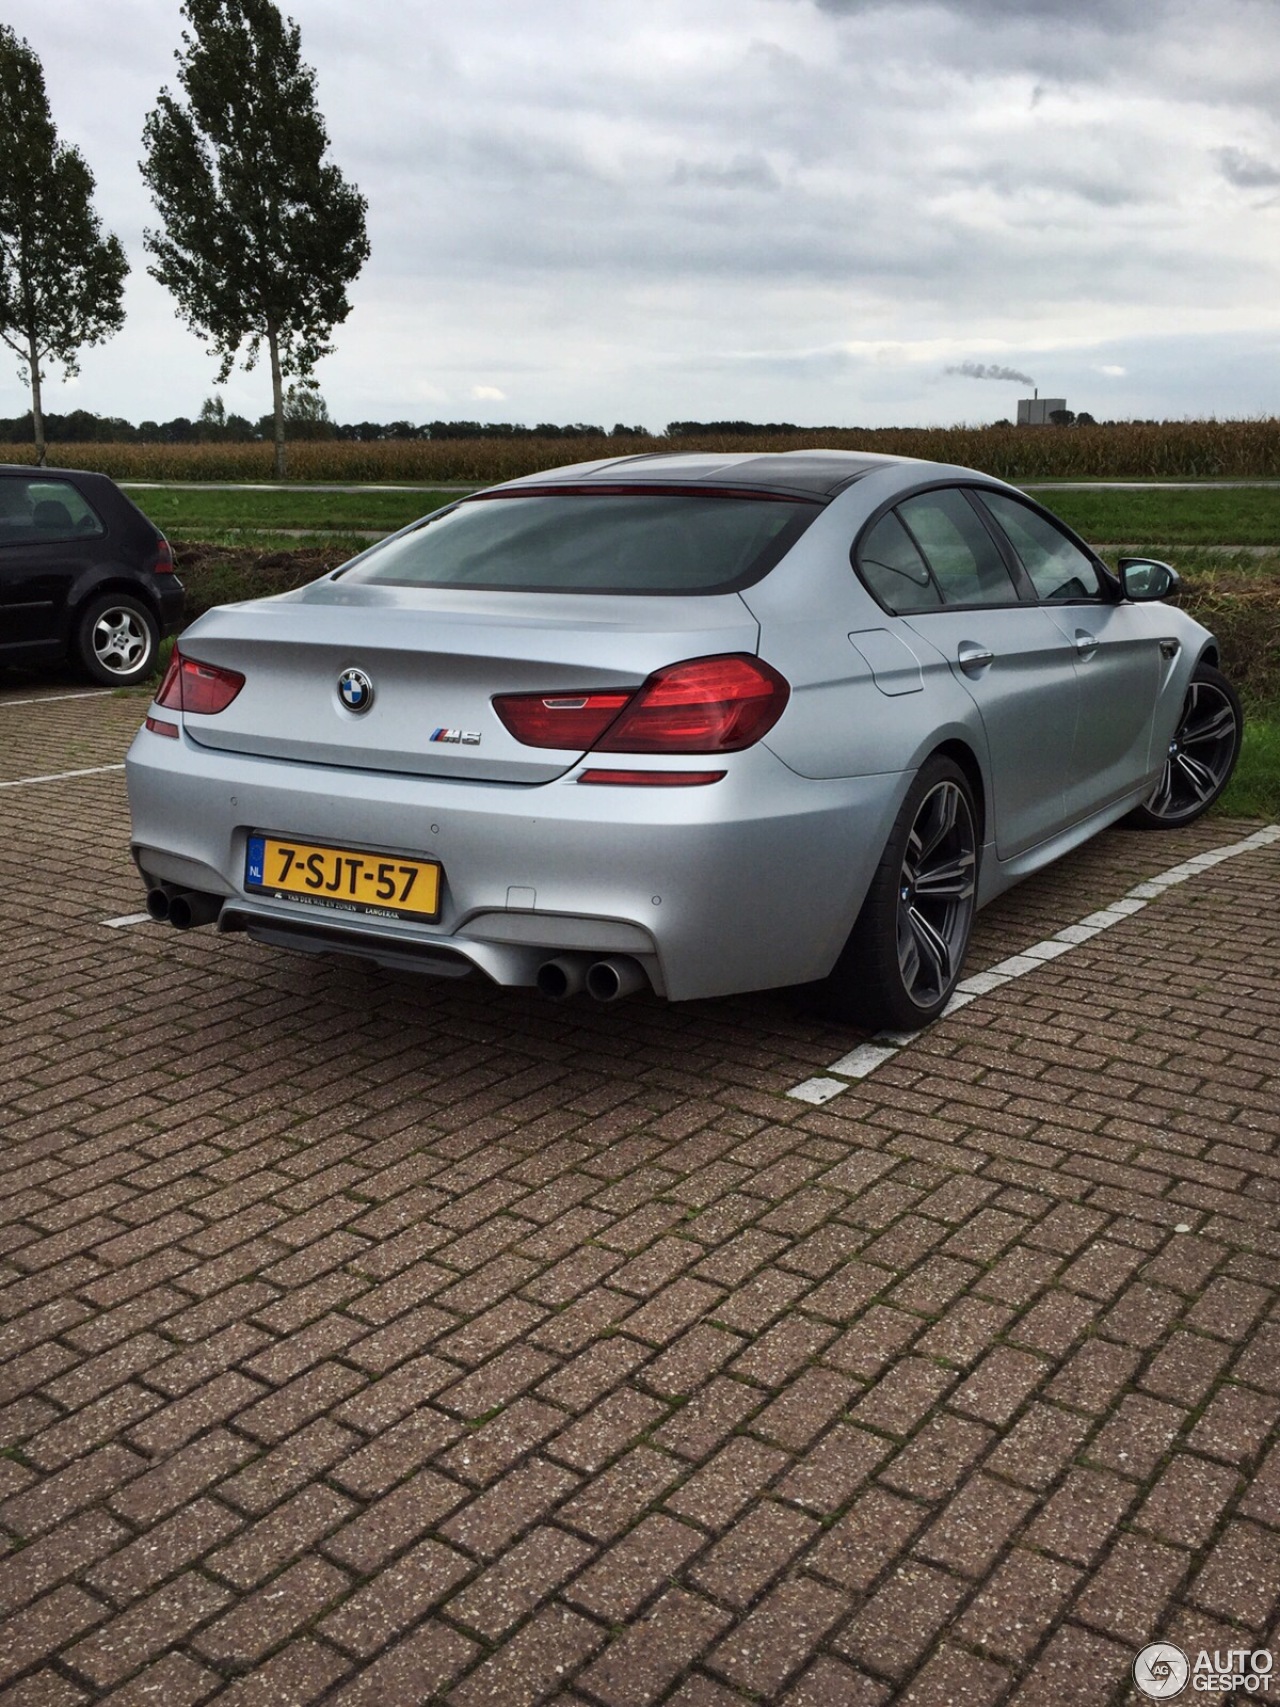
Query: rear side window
(1059,570)
(954,542)
(44,512)
(628,542)
(895,571)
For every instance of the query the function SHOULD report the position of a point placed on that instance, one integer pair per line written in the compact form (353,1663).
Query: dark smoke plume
(989,370)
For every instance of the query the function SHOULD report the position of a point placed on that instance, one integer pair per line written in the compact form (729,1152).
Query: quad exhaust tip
(605,980)
(185,910)
(609,980)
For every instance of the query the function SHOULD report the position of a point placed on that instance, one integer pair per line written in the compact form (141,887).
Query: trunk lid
(435,658)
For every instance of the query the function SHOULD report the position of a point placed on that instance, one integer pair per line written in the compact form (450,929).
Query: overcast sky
(833,212)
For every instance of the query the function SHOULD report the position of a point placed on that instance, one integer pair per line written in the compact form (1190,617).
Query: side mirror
(1143,578)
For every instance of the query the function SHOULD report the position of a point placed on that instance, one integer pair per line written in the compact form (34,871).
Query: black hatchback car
(84,576)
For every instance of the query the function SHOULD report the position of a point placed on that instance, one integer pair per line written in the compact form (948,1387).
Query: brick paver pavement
(368,1340)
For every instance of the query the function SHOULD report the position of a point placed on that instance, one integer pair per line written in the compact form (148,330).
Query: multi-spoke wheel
(905,953)
(1201,756)
(117,637)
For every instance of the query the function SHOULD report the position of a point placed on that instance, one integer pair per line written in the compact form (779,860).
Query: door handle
(1085,643)
(972,658)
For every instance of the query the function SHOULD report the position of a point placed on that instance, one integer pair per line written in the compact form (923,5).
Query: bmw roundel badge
(355,690)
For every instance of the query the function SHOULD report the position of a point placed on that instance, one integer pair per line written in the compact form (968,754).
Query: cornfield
(1167,450)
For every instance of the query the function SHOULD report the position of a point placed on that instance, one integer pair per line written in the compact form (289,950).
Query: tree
(61,280)
(261,235)
(306,413)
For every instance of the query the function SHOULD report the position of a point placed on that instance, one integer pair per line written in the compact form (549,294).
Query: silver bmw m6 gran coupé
(696,724)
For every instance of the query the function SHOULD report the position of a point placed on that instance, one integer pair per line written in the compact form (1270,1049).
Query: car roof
(803,473)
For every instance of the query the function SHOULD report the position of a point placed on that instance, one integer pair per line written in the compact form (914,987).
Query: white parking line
(128,919)
(61,776)
(885,1045)
(48,698)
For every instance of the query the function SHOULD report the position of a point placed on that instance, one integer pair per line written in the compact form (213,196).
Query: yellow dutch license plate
(345,880)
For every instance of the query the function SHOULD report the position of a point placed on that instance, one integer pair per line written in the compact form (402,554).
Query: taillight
(163,564)
(573,721)
(707,705)
(189,685)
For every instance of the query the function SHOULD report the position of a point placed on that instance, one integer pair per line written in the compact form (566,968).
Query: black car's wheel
(116,639)
(905,953)
(1201,756)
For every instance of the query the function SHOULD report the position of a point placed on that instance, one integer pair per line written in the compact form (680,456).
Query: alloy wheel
(1201,754)
(936,894)
(120,640)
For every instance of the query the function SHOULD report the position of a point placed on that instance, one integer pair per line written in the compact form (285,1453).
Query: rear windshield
(634,542)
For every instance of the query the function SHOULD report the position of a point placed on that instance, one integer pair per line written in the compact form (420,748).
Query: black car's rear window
(591,542)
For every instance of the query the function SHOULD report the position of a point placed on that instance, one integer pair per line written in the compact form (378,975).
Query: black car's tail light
(189,685)
(706,705)
(163,564)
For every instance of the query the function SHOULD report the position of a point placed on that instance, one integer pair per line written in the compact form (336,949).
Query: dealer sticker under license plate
(343,879)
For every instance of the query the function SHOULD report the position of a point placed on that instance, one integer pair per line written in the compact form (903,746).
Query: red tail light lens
(189,685)
(569,721)
(163,564)
(708,705)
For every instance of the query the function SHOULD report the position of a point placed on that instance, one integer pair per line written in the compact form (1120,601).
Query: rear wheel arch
(960,753)
(131,586)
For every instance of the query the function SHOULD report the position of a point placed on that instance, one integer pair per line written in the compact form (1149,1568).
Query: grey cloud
(743,172)
(1247,171)
(990,370)
(1120,16)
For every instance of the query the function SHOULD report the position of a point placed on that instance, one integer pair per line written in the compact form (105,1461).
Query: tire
(905,953)
(1201,757)
(116,640)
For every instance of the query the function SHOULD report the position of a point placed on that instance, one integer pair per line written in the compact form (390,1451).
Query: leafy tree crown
(261,235)
(61,280)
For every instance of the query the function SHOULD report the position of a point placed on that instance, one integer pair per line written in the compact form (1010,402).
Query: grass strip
(1247,515)
(215,514)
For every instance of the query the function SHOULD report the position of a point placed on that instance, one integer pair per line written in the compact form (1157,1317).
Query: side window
(894,570)
(965,560)
(42,512)
(1058,569)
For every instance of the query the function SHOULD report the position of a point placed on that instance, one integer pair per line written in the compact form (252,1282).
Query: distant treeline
(311,422)
(212,427)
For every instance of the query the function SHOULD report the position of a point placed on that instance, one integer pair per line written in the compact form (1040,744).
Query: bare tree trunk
(277,399)
(37,411)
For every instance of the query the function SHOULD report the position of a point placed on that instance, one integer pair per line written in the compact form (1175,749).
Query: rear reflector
(707,705)
(653,779)
(158,726)
(189,685)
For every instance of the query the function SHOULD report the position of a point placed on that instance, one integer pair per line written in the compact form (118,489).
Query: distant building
(1038,411)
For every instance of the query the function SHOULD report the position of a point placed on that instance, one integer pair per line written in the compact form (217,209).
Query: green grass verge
(1206,516)
(1254,791)
(1145,518)
(213,514)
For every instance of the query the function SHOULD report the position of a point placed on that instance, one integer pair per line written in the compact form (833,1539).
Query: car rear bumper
(748,883)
